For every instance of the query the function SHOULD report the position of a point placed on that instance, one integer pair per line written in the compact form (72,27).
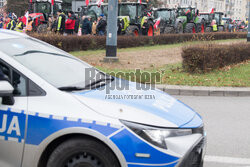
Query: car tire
(169,30)
(208,29)
(82,151)
(132,31)
(179,28)
(42,29)
(190,28)
(220,28)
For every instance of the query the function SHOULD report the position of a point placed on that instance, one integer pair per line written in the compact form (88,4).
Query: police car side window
(19,84)
(16,79)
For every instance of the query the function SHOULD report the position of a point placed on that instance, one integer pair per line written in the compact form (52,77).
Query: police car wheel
(81,152)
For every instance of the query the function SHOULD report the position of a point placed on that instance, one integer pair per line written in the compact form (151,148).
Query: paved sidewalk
(204,91)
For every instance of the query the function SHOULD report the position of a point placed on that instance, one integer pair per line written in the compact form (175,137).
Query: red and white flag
(52,2)
(157,23)
(99,3)
(212,11)
(87,2)
(149,14)
(27,17)
(30,1)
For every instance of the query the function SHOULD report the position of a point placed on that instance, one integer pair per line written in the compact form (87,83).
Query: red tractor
(40,10)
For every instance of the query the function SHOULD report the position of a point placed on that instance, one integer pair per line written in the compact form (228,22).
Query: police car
(52,115)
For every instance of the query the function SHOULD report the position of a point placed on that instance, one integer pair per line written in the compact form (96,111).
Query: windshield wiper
(93,84)
(71,88)
(37,51)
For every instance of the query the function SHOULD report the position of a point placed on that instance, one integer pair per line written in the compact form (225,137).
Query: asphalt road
(227,123)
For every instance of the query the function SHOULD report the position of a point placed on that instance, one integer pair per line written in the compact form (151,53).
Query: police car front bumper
(195,156)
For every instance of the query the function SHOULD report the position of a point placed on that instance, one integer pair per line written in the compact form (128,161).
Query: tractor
(40,12)
(188,18)
(220,24)
(167,19)
(208,18)
(240,26)
(131,16)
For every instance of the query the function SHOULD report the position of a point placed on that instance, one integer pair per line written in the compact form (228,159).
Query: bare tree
(17,6)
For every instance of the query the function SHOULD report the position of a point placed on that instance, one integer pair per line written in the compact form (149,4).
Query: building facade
(2,3)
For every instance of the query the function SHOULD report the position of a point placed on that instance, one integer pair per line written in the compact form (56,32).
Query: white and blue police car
(52,116)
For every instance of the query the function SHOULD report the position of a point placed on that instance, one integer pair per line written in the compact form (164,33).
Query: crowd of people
(65,24)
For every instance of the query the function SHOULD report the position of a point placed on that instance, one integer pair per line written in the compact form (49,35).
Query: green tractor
(167,18)
(208,19)
(220,24)
(131,16)
(188,18)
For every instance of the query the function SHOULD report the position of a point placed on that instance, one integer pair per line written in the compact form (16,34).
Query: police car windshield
(53,65)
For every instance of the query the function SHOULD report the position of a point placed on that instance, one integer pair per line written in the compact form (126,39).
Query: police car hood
(148,106)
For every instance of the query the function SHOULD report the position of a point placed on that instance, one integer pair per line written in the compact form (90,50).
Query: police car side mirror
(6,93)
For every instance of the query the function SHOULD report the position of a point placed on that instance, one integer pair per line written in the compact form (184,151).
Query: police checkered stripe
(56,117)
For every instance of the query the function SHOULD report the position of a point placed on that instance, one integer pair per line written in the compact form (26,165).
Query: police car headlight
(154,135)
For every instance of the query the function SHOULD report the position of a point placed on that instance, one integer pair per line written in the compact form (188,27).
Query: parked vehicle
(218,17)
(41,10)
(208,18)
(58,111)
(131,16)
(240,26)
(168,22)
(188,17)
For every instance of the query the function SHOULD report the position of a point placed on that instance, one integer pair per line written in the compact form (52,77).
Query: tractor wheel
(201,28)
(208,29)
(132,31)
(190,28)
(42,29)
(179,28)
(220,29)
(151,28)
(169,30)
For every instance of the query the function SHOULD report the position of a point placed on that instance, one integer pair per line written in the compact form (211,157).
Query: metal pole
(111,41)
(52,9)
(248,34)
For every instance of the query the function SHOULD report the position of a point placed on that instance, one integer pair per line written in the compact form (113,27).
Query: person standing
(94,28)
(11,23)
(30,26)
(145,27)
(19,25)
(1,23)
(86,26)
(60,22)
(101,26)
(70,23)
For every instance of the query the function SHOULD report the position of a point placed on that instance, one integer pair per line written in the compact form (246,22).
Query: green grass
(147,48)
(235,76)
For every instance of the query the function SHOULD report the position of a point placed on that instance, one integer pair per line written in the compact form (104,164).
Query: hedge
(206,57)
(77,43)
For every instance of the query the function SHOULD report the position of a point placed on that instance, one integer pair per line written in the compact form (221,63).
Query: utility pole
(248,33)
(111,41)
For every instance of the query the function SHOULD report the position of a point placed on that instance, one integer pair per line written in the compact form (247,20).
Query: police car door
(13,119)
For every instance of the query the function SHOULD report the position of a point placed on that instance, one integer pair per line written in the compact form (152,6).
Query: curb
(205,91)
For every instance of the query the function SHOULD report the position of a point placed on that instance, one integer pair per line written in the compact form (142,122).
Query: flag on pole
(52,2)
(99,3)
(140,1)
(30,1)
(87,2)
(212,11)
(26,20)
(27,17)
(157,23)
